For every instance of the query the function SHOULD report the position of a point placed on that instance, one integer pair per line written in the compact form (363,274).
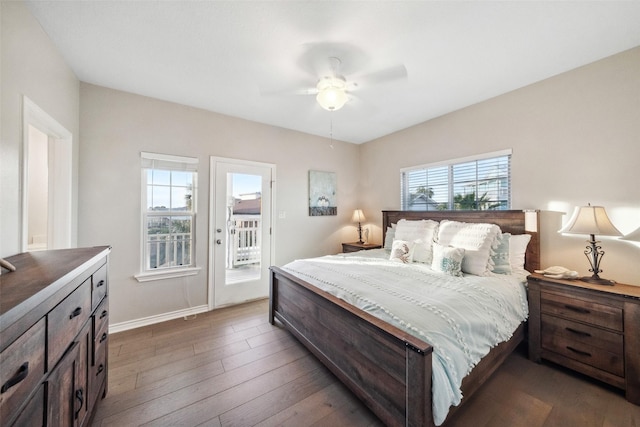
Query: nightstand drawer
(581,311)
(585,334)
(596,357)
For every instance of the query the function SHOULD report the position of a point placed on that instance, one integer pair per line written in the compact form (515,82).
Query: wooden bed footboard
(388,369)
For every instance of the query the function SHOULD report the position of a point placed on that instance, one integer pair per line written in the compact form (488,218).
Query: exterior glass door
(242,231)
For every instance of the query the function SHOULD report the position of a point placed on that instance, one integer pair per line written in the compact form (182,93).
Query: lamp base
(596,280)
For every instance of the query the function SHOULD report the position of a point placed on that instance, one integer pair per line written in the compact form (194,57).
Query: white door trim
(60,175)
(212,225)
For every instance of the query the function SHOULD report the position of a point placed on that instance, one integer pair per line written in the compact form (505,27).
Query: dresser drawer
(21,369)
(33,414)
(99,370)
(101,318)
(66,320)
(100,339)
(582,311)
(99,286)
(576,350)
(588,335)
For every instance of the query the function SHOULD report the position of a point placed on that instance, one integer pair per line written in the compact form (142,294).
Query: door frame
(60,206)
(212,222)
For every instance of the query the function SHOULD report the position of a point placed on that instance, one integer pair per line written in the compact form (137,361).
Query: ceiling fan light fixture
(332,93)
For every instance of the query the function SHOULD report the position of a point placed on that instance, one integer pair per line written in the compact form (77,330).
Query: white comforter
(461,317)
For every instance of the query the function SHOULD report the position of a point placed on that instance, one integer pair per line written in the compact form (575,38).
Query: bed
(388,368)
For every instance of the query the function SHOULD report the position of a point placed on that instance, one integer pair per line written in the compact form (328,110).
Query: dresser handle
(81,399)
(575,331)
(103,314)
(577,309)
(22,373)
(103,337)
(100,283)
(75,313)
(582,353)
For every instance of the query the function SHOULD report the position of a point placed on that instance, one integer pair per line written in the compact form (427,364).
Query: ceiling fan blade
(288,91)
(396,72)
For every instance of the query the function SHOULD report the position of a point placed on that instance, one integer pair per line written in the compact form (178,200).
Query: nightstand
(592,329)
(355,246)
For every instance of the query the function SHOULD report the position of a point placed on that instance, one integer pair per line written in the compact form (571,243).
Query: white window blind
(472,183)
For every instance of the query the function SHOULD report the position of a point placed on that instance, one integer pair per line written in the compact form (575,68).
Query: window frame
(170,163)
(449,181)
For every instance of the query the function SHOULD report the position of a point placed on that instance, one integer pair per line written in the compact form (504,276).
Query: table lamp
(592,220)
(358,217)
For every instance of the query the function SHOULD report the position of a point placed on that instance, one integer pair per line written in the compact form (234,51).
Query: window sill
(167,274)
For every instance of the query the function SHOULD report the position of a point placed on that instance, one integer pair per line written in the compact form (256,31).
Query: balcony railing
(169,250)
(245,241)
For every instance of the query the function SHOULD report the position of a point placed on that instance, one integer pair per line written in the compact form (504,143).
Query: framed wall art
(322,193)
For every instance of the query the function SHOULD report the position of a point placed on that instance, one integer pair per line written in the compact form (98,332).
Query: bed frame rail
(385,367)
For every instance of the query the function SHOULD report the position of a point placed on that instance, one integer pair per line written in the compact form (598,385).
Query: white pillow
(447,259)
(423,232)
(517,249)
(402,251)
(477,240)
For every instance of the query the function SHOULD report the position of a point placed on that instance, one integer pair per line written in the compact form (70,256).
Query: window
(168,215)
(473,183)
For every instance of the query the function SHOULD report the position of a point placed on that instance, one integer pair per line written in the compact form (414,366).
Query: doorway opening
(46,181)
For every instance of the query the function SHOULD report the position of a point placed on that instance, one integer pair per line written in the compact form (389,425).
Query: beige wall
(117,126)
(31,66)
(575,140)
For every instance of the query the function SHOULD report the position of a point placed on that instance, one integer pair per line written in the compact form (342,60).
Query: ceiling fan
(332,91)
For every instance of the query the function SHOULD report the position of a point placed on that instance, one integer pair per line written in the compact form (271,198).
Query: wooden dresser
(593,329)
(54,319)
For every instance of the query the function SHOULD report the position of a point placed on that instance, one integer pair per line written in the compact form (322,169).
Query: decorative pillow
(402,251)
(423,232)
(517,248)
(501,258)
(477,239)
(447,259)
(388,239)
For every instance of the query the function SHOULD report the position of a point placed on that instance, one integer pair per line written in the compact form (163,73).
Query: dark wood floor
(230,367)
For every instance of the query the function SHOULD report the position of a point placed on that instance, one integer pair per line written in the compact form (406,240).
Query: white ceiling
(246,58)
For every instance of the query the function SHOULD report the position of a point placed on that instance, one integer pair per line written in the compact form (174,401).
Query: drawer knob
(100,283)
(103,337)
(75,312)
(577,309)
(580,352)
(103,314)
(100,369)
(22,373)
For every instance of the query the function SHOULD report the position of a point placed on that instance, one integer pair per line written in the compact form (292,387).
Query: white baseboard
(151,320)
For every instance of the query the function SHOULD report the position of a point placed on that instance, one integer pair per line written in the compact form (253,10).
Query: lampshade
(332,93)
(634,236)
(358,216)
(590,220)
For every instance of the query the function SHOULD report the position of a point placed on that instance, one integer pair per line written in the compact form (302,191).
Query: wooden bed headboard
(514,222)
